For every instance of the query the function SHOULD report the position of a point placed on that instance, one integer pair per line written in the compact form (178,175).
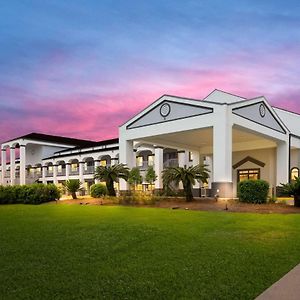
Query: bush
(29,194)
(98,190)
(253,191)
(138,198)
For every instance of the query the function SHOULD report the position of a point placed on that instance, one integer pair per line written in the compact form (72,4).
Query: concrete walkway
(287,288)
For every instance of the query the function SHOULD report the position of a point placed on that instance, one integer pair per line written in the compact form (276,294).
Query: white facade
(233,136)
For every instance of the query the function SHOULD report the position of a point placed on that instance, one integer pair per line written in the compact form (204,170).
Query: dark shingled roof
(95,144)
(56,139)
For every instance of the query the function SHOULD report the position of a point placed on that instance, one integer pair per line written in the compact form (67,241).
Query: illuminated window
(59,168)
(150,160)
(74,167)
(103,162)
(191,156)
(50,169)
(294,173)
(252,174)
(139,161)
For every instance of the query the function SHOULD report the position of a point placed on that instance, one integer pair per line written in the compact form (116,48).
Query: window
(252,174)
(50,169)
(59,168)
(139,161)
(74,167)
(191,156)
(151,160)
(294,173)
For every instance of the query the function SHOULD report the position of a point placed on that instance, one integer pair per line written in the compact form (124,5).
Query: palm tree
(111,174)
(188,177)
(72,186)
(292,189)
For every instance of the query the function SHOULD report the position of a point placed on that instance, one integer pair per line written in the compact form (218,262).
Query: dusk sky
(82,68)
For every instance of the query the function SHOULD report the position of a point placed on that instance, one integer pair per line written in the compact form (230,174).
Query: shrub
(73,186)
(253,191)
(29,194)
(98,190)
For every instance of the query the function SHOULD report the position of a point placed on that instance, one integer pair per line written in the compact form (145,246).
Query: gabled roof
(55,139)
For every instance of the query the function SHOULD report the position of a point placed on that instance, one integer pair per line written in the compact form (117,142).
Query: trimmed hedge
(98,190)
(29,194)
(253,191)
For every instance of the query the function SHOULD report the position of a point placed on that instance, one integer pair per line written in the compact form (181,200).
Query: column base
(222,189)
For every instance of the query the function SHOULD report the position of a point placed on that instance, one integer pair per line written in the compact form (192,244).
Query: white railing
(173,162)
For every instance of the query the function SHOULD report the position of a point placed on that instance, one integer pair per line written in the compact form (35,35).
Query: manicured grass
(93,252)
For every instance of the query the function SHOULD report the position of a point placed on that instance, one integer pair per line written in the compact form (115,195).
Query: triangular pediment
(167,111)
(261,114)
(249,159)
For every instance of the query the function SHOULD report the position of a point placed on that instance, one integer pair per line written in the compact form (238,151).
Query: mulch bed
(198,204)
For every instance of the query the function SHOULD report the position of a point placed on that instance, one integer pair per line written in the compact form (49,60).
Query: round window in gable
(262,110)
(165,110)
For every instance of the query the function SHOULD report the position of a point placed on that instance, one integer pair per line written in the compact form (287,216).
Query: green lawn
(93,252)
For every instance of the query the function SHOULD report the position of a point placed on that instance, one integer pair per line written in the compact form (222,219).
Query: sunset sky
(82,68)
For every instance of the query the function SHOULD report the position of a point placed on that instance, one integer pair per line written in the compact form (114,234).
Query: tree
(188,177)
(111,174)
(292,189)
(150,175)
(72,186)
(135,177)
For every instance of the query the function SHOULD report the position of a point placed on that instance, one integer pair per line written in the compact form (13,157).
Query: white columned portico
(158,166)
(22,164)
(3,165)
(55,181)
(12,165)
(126,157)
(44,174)
(97,164)
(282,163)
(222,153)
(81,167)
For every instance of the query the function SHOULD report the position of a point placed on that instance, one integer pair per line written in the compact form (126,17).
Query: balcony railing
(89,170)
(74,172)
(145,165)
(173,162)
(61,173)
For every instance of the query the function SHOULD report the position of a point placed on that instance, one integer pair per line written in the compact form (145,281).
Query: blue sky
(81,68)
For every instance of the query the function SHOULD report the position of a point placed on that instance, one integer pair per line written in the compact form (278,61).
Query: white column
(126,157)
(22,164)
(81,166)
(44,173)
(3,165)
(208,162)
(55,181)
(12,165)
(222,153)
(222,147)
(183,158)
(282,167)
(195,162)
(68,167)
(97,164)
(158,166)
